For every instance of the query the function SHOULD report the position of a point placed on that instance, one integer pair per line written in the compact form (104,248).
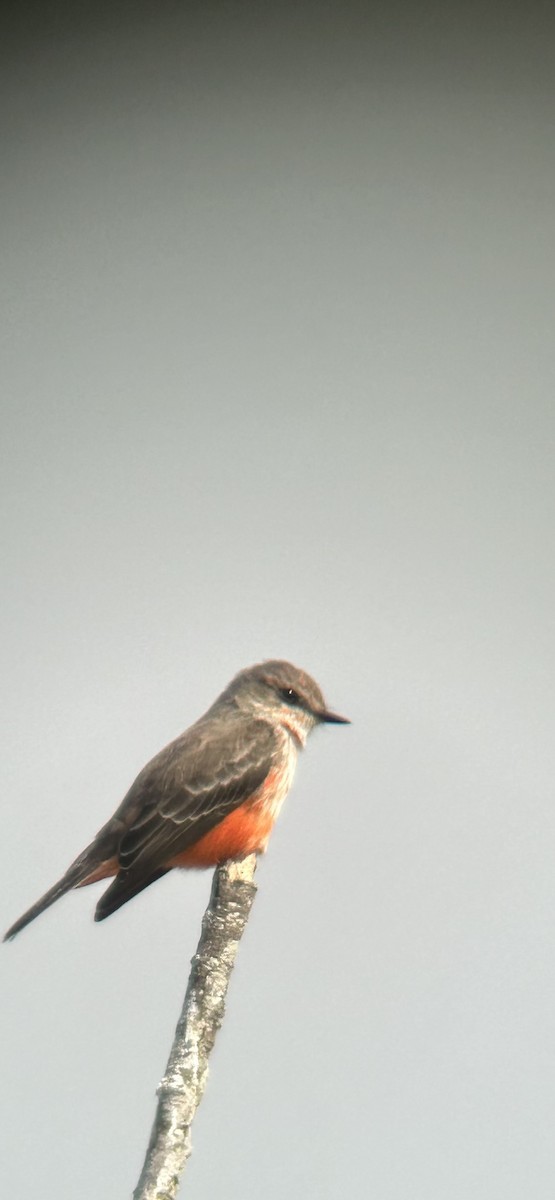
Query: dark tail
(123,887)
(68,881)
(98,852)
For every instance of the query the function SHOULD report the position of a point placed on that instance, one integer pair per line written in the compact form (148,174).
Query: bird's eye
(290,696)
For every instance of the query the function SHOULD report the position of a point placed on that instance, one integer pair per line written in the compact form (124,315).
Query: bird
(210,796)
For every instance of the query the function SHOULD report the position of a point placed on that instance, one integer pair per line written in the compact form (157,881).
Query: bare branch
(181,1089)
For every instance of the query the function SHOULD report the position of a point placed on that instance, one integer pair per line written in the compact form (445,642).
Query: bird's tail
(76,874)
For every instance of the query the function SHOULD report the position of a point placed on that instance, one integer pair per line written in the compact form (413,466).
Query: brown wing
(182,794)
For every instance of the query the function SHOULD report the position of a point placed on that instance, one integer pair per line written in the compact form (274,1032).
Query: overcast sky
(279,382)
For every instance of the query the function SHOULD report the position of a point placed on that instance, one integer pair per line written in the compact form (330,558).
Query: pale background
(279,381)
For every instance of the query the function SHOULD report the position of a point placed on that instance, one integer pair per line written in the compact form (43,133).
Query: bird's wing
(190,787)
(178,797)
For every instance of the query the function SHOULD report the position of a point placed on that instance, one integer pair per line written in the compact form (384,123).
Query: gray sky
(279,381)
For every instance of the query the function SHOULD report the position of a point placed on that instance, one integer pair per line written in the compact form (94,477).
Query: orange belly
(243,831)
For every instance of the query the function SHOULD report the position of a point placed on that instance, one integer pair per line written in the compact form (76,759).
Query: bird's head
(285,695)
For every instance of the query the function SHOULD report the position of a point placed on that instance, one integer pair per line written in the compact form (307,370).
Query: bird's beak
(332,718)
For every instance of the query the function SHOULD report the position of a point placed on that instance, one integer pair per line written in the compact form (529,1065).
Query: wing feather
(190,787)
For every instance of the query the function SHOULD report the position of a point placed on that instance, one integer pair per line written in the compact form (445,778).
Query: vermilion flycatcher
(211,795)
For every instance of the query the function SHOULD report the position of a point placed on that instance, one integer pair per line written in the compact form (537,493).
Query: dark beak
(333,718)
